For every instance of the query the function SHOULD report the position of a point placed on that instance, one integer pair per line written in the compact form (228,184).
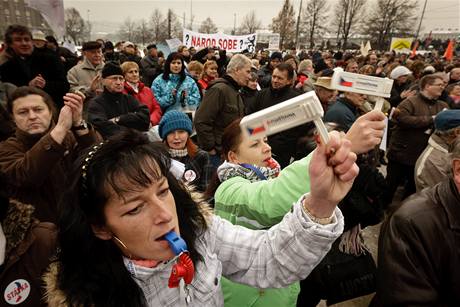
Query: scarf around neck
(178,153)
(229,170)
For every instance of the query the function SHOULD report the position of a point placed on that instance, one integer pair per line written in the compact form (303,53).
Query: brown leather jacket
(36,168)
(419,250)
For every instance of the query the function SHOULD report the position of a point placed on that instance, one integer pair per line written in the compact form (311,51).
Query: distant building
(443,34)
(17,12)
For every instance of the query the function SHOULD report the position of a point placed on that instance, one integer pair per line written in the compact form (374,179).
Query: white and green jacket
(261,205)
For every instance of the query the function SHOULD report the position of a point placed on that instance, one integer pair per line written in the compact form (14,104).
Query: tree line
(378,20)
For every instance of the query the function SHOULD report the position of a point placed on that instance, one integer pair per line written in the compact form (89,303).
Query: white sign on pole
(274,42)
(173,44)
(231,43)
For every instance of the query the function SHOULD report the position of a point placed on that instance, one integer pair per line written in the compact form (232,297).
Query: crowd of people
(102,156)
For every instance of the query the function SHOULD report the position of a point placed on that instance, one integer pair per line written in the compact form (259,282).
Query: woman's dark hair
(167,67)
(24,91)
(91,270)
(231,139)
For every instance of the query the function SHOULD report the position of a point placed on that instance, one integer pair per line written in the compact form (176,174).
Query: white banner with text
(231,43)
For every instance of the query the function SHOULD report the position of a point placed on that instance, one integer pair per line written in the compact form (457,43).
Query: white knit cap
(399,71)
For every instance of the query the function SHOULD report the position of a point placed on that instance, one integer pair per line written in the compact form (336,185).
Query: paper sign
(274,42)
(173,44)
(231,43)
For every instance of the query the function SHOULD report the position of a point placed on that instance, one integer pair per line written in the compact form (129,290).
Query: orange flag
(414,50)
(449,54)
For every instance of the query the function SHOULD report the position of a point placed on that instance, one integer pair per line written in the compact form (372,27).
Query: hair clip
(86,163)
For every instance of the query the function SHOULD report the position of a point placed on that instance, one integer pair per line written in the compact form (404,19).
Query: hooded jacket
(163,91)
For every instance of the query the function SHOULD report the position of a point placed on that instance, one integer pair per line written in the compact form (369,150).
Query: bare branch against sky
(107,15)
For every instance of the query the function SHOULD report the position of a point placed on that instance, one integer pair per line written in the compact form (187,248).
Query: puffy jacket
(145,96)
(260,205)
(163,91)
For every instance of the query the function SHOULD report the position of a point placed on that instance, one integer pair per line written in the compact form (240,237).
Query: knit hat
(399,71)
(447,119)
(172,121)
(111,69)
(127,44)
(151,46)
(276,55)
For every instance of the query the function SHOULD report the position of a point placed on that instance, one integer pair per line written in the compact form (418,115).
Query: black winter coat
(131,113)
(21,71)
(284,144)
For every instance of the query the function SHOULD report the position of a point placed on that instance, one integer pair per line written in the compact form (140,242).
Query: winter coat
(7,125)
(37,168)
(198,169)
(30,247)
(260,205)
(150,69)
(396,90)
(163,91)
(419,254)
(145,96)
(258,259)
(433,165)
(81,76)
(265,76)
(21,71)
(284,144)
(414,125)
(221,105)
(131,113)
(249,98)
(343,113)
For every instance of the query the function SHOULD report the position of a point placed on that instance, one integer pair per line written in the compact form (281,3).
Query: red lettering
(203,42)
(220,44)
(193,40)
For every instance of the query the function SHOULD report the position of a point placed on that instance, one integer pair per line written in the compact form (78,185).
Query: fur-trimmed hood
(55,297)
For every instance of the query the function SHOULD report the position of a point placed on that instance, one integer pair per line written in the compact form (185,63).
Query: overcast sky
(107,14)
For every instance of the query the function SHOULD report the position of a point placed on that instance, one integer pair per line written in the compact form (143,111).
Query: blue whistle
(176,243)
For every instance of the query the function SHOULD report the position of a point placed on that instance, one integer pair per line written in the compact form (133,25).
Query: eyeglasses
(439,84)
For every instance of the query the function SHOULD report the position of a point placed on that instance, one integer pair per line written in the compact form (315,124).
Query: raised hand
(332,172)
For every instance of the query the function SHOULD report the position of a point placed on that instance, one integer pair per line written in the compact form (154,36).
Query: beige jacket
(81,75)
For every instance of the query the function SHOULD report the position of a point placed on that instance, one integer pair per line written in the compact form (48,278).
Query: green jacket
(260,205)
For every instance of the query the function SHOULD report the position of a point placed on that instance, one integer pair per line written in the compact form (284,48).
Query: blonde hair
(127,66)
(208,64)
(195,66)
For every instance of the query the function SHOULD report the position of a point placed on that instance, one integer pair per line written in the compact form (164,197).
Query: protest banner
(401,44)
(231,43)
(274,42)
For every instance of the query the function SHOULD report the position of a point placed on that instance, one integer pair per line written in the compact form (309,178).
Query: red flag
(449,54)
(414,50)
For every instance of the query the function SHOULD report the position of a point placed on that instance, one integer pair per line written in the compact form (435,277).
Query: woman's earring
(124,246)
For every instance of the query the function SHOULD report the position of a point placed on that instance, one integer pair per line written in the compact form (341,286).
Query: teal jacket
(260,205)
(162,89)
